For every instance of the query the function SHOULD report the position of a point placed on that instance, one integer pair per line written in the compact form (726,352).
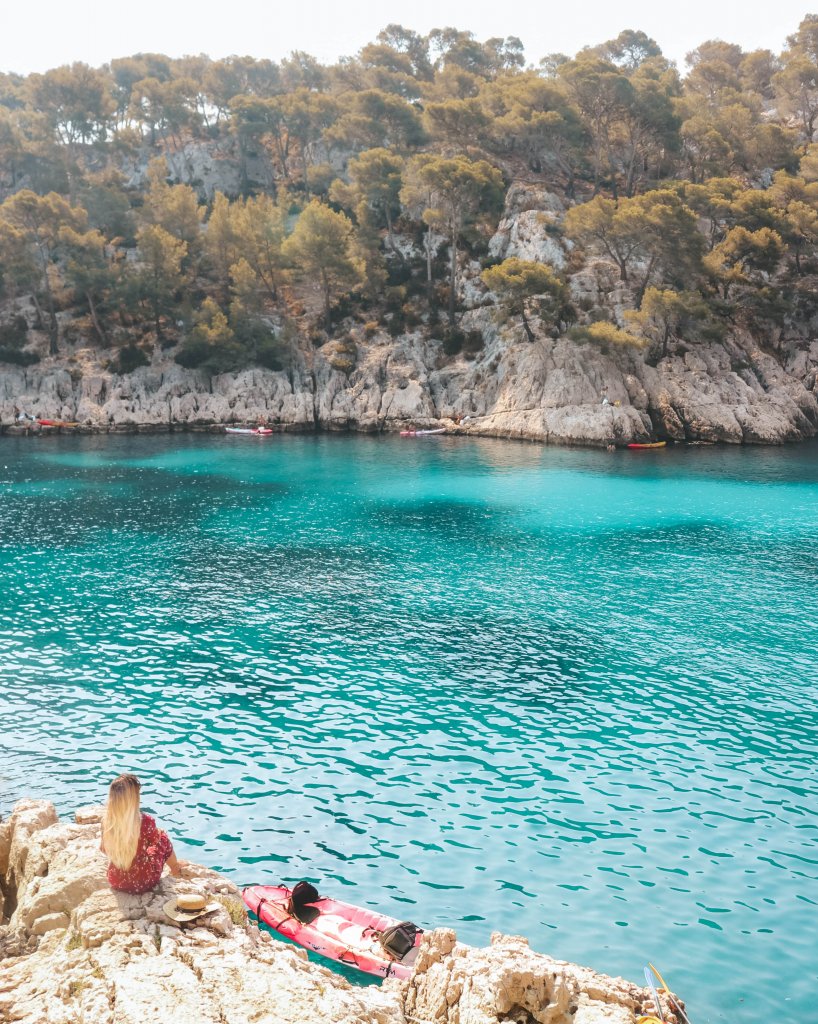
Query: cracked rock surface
(72,950)
(743,389)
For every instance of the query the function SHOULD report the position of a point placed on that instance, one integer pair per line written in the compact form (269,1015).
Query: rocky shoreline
(555,391)
(71,949)
(742,389)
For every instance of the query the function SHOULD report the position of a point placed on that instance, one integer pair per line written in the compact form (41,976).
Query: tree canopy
(379,177)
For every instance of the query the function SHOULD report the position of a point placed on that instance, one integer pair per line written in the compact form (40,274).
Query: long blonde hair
(123,821)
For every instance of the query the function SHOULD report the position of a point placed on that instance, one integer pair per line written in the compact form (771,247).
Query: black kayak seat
(303,894)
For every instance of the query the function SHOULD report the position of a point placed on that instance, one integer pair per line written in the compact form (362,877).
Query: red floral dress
(153,849)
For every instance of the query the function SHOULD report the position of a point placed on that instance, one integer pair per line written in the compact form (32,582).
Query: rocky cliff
(72,950)
(741,389)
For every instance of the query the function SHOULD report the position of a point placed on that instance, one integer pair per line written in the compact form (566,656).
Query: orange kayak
(651,444)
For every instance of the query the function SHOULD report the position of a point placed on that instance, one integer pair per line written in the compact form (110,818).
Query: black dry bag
(399,939)
(302,895)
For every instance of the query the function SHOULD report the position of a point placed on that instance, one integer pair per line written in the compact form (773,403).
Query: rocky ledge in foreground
(73,950)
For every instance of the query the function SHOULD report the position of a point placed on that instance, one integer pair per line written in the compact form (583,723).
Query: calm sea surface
(559,693)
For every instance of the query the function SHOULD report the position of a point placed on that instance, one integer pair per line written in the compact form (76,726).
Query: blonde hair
(123,821)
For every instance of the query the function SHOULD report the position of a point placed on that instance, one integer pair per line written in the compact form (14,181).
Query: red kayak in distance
(337,930)
(651,444)
(56,423)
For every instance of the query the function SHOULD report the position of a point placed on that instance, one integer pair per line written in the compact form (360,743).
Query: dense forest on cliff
(359,192)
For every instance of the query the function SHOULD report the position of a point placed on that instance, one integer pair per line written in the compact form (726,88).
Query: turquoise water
(558,693)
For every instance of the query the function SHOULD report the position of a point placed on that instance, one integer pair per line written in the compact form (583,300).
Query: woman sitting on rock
(136,848)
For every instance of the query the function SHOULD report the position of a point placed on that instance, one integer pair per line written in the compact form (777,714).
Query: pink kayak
(337,930)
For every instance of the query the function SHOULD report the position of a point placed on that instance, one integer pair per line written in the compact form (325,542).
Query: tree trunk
(429,265)
(527,325)
(452,279)
(95,319)
(327,309)
(53,325)
(39,309)
(644,285)
(390,236)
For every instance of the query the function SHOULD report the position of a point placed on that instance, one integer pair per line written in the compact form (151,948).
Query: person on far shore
(136,848)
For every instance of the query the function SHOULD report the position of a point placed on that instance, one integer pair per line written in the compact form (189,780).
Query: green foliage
(13,338)
(212,344)
(173,208)
(605,334)
(667,315)
(160,275)
(525,289)
(322,247)
(702,189)
(455,340)
(235,909)
(30,227)
(655,232)
(376,119)
(218,344)
(373,191)
(745,257)
(128,359)
(452,195)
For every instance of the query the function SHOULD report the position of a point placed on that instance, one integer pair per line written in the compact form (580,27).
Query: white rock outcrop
(555,390)
(743,389)
(72,950)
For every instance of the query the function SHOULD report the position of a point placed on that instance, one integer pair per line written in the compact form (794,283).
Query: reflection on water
(559,693)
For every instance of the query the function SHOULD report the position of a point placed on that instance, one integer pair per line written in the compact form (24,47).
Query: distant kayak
(337,930)
(258,431)
(56,423)
(422,433)
(652,444)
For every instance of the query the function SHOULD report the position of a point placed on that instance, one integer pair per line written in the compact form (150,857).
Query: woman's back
(153,849)
(136,847)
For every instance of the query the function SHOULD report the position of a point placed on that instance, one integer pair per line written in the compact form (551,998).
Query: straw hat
(187,906)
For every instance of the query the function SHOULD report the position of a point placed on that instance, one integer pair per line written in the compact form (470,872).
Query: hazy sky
(41,34)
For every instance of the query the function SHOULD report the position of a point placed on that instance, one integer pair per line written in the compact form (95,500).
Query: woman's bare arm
(174,865)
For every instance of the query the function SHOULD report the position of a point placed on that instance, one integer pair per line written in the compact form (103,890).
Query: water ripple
(475,683)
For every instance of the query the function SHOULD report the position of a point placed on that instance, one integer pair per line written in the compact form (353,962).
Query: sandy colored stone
(89,815)
(742,389)
(49,923)
(74,950)
(457,984)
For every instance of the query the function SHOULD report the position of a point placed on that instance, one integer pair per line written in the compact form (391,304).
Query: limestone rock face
(72,949)
(457,984)
(555,390)
(527,227)
(740,390)
(75,950)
